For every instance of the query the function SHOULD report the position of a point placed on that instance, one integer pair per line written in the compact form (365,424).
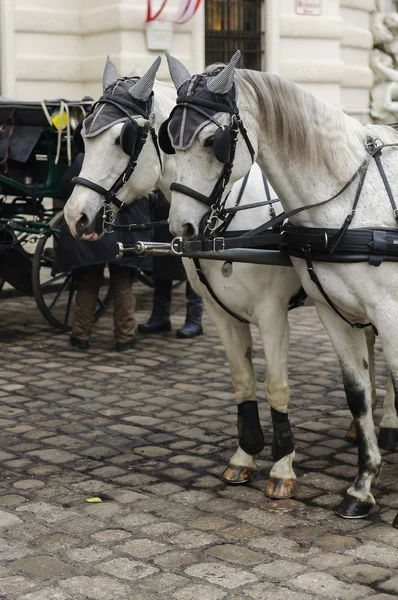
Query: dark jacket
(72,253)
(164,267)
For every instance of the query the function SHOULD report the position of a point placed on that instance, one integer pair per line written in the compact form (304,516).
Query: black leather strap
(268,240)
(314,278)
(379,248)
(187,191)
(386,183)
(203,279)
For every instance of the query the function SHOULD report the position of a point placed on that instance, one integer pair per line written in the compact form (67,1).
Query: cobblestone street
(149,431)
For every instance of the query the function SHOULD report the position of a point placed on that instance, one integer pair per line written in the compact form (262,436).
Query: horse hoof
(351,435)
(234,475)
(388,438)
(277,488)
(354,508)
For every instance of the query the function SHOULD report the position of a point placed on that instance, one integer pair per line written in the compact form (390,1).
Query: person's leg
(193,321)
(125,326)
(160,318)
(90,279)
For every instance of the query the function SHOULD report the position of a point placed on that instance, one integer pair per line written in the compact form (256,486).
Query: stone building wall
(50,48)
(57,49)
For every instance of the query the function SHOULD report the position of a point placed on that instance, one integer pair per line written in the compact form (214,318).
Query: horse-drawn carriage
(36,149)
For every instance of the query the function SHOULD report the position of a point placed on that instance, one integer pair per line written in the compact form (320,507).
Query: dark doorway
(232,25)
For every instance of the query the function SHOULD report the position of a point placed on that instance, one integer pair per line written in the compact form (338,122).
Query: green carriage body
(28,208)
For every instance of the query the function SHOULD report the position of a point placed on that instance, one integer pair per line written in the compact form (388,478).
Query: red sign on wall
(309,7)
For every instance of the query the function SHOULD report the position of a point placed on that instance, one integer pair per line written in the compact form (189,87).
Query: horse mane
(312,130)
(165,92)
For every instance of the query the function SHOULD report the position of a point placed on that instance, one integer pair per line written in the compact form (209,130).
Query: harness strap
(231,212)
(203,279)
(218,244)
(280,218)
(179,187)
(342,231)
(379,246)
(376,156)
(235,209)
(156,144)
(314,278)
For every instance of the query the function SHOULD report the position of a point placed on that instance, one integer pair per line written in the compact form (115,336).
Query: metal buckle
(177,246)
(120,247)
(218,244)
(108,219)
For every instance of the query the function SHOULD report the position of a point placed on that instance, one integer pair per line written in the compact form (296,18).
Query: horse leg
(350,346)
(274,329)
(351,435)
(388,433)
(237,341)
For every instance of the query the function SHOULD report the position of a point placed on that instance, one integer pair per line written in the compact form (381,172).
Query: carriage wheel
(54,292)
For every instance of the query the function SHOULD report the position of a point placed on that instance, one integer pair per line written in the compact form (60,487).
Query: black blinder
(129,136)
(222,144)
(78,140)
(164,139)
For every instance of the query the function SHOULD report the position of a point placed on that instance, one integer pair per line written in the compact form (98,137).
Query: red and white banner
(186,11)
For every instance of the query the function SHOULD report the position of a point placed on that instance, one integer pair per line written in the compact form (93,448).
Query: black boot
(193,322)
(159,320)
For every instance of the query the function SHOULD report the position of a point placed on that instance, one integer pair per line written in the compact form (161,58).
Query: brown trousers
(90,280)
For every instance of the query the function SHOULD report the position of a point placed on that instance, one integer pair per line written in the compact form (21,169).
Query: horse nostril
(82,225)
(188,231)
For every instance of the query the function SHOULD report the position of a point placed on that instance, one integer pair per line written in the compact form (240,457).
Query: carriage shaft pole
(243,255)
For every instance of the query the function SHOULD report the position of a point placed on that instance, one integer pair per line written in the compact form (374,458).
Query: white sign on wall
(159,35)
(309,7)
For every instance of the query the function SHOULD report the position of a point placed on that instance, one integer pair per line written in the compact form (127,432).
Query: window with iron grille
(232,25)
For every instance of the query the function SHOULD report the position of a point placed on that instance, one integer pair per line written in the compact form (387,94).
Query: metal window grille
(232,25)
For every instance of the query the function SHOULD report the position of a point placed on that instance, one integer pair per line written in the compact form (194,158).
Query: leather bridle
(112,204)
(215,200)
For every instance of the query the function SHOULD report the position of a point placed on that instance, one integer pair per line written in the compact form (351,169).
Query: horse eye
(117,141)
(208,143)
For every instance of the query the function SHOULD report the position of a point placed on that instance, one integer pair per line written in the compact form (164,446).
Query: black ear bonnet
(186,121)
(117,105)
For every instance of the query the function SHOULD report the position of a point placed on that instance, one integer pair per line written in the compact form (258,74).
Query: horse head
(122,159)
(207,136)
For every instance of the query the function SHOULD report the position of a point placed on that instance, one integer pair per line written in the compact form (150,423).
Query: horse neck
(165,99)
(306,147)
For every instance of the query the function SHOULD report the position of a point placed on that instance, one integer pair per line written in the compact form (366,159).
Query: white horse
(309,150)
(242,291)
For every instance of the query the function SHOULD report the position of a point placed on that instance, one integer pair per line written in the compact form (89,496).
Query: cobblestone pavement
(149,431)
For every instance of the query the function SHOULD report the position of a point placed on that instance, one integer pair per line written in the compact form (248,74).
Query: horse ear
(144,86)
(178,73)
(110,73)
(223,82)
